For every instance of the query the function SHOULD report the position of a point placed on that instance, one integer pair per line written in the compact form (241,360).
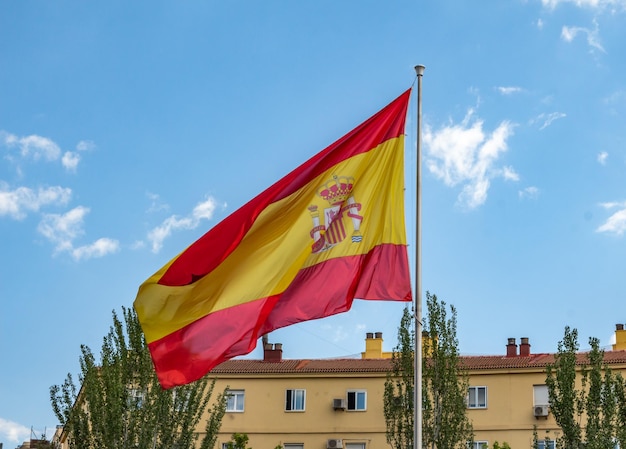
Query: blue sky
(129,129)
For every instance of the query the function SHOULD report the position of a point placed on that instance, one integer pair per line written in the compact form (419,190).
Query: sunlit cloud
(465,155)
(529,193)
(17,202)
(591,4)
(33,146)
(202,211)
(509,90)
(13,432)
(156,204)
(616,223)
(70,160)
(602,157)
(37,148)
(99,248)
(546,120)
(568,34)
(63,229)
(85,145)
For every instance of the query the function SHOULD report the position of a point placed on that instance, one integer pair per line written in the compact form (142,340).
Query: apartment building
(338,403)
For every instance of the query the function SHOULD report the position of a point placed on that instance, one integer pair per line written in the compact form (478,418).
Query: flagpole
(417,404)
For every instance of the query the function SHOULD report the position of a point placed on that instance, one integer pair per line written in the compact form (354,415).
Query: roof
(304,366)
(490,362)
(365,366)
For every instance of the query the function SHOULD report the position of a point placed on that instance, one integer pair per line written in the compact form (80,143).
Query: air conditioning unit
(540,410)
(334,444)
(339,404)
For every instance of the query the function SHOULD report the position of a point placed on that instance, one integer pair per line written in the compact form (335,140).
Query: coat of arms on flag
(338,193)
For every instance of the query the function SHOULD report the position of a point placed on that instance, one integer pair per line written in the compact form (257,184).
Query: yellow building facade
(338,403)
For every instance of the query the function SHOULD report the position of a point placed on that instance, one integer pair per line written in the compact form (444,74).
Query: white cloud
(85,145)
(529,192)
(15,203)
(594,4)
(540,24)
(14,432)
(63,229)
(156,203)
(616,223)
(602,157)
(99,248)
(33,146)
(70,160)
(37,147)
(465,155)
(510,174)
(203,211)
(547,119)
(568,34)
(509,90)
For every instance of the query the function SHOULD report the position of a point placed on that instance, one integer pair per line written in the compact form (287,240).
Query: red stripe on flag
(319,291)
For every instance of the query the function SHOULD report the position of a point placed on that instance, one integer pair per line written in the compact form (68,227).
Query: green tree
(599,399)
(444,384)
(566,402)
(504,445)
(119,404)
(238,441)
(399,387)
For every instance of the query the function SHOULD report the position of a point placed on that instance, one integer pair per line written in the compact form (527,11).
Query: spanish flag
(330,231)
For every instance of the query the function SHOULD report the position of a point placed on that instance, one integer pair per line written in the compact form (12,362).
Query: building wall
(509,415)
(268,424)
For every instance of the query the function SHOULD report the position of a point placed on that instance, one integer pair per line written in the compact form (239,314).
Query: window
(235,401)
(478,445)
(355,446)
(294,400)
(477,397)
(357,400)
(136,397)
(545,444)
(293,446)
(540,395)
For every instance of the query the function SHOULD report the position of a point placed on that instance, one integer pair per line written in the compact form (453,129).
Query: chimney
(524,347)
(273,352)
(511,348)
(373,346)
(620,338)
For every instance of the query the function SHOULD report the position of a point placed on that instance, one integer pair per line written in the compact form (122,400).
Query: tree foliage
(444,384)
(591,413)
(119,404)
(238,441)
(399,387)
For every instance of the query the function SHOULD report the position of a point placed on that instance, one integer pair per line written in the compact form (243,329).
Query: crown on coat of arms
(337,189)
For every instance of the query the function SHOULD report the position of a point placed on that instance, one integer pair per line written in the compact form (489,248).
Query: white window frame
(355,445)
(293,446)
(356,393)
(477,444)
(136,397)
(541,444)
(238,401)
(295,400)
(475,404)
